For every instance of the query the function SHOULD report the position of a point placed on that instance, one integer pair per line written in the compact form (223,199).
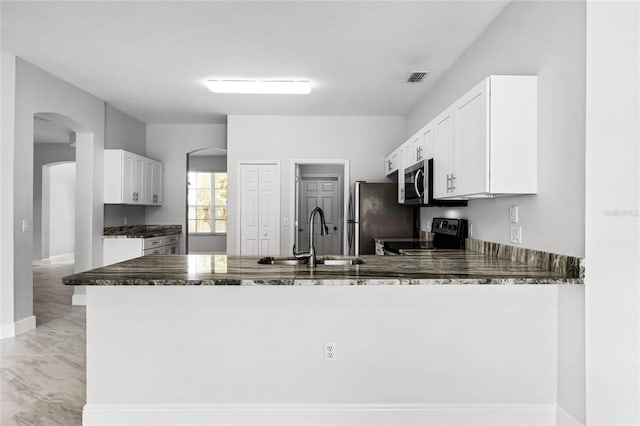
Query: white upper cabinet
(153,184)
(444,154)
(392,161)
(132,179)
(486,143)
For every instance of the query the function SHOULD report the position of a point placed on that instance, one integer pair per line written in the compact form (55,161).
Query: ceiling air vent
(417,77)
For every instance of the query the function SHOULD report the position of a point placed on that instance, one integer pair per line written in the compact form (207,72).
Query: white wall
(207,243)
(44,153)
(364,141)
(124,132)
(613,213)
(59,209)
(7,127)
(546,39)
(170,143)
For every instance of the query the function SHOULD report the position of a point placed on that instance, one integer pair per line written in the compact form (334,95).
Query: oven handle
(415,183)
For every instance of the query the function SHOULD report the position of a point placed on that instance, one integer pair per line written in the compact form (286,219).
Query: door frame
(345,195)
(238,185)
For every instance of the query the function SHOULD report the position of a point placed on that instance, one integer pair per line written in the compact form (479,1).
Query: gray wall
(46,153)
(546,39)
(37,91)
(170,143)
(124,132)
(364,141)
(207,243)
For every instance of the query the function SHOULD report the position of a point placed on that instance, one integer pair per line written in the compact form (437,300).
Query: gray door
(325,193)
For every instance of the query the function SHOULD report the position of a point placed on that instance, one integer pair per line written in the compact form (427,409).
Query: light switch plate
(513,214)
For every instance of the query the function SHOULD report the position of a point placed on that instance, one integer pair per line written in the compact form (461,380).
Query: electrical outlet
(285,221)
(330,351)
(26,225)
(516,234)
(513,214)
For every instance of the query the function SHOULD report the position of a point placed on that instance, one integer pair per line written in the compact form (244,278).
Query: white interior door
(269,206)
(324,193)
(259,209)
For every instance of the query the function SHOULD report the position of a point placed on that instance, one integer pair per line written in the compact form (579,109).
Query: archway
(82,139)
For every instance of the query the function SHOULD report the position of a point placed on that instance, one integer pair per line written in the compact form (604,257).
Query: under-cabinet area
(132,179)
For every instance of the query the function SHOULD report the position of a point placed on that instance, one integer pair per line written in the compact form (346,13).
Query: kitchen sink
(291,261)
(320,260)
(339,260)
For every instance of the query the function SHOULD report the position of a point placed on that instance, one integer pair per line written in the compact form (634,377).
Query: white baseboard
(18,327)
(7,330)
(320,414)
(563,418)
(79,300)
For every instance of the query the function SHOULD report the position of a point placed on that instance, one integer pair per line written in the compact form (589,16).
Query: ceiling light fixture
(259,87)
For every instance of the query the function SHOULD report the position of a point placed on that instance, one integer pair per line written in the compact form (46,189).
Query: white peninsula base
(405,355)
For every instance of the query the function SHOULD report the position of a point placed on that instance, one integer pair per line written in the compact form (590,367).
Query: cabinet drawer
(150,243)
(170,249)
(158,250)
(171,239)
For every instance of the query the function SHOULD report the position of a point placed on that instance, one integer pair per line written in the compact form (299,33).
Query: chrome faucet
(310,254)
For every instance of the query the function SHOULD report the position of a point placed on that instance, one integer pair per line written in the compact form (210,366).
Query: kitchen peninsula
(223,340)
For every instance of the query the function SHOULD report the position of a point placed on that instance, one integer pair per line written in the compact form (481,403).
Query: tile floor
(43,377)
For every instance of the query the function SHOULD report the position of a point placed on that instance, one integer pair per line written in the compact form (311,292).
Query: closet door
(259,209)
(269,206)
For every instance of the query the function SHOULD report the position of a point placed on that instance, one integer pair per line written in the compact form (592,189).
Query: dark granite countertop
(141,231)
(430,267)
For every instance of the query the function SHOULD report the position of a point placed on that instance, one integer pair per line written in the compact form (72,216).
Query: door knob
(335,228)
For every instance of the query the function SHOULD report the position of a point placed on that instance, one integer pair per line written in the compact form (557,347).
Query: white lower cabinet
(120,249)
(259,209)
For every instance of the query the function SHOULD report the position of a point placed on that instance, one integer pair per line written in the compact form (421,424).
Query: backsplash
(568,265)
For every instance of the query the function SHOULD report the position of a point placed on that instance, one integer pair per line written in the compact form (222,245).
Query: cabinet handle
(448,183)
(452,179)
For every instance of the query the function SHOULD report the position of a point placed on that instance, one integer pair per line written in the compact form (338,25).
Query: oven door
(414,184)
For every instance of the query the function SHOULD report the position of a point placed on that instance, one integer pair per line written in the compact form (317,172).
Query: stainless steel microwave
(418,187)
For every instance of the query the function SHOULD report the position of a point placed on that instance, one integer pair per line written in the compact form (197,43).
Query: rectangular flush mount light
(260,87)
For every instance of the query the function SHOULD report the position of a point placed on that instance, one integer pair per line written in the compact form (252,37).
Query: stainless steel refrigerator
(374,212)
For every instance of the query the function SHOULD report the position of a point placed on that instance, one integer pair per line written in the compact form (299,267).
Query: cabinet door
(444,154)
(133,178)
(471,121)
(427,142)
(147,182)
(391,162)
(128,178)
(157,183)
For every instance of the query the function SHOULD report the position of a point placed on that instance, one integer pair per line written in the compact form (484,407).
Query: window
(207,199)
